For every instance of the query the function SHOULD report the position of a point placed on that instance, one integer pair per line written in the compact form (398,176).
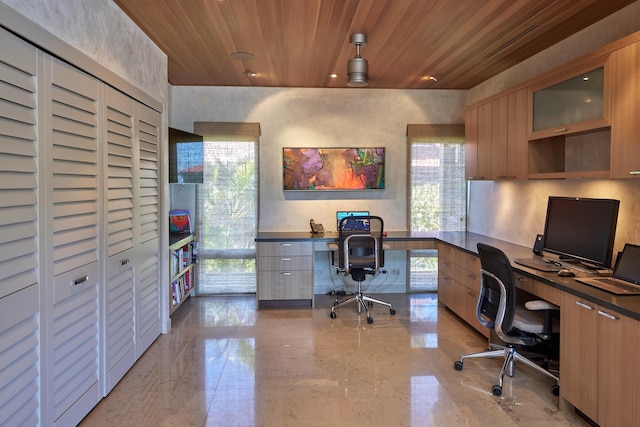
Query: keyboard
(620,285)
(537,264)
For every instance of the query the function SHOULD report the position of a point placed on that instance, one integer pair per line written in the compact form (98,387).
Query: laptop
(352,225)
(626,274)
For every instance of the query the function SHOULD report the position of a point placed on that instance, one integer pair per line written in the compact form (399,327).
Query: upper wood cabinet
(495,135)
(625,112)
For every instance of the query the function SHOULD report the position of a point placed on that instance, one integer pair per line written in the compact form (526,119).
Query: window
(438,193)
(227,208)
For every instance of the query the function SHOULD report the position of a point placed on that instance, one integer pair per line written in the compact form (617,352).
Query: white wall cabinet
(80,265)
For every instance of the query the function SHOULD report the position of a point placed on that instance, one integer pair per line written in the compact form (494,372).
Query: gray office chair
(360,252)
(516,326)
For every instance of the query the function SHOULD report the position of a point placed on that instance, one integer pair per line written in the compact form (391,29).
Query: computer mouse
(565,272)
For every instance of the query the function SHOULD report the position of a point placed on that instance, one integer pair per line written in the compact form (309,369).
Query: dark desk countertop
(628,305)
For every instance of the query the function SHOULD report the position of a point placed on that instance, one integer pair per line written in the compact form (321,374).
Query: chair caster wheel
(496,390)
(457,365)
(332,315)
(555,389)
(392,311)
(369,320)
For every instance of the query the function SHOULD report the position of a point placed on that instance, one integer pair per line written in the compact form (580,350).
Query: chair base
(510,355)
(362,301)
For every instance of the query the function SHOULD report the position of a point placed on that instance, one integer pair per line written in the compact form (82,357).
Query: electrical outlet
(395,271)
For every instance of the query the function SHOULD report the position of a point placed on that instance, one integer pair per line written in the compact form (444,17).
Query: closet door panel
(119,301)
(18,165)
(72,365)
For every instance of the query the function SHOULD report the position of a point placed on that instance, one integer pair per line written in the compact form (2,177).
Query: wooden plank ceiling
(299,43)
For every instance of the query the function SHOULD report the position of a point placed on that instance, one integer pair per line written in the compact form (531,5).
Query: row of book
(181,287)
(180,259)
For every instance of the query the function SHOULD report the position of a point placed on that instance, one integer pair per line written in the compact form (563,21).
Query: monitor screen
(344,214)
(581,230)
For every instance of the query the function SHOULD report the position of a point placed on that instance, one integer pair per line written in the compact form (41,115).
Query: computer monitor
(581,229)
(343,214)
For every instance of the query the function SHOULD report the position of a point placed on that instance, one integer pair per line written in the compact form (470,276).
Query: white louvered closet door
(119,299)
(148,303)
(19,256)
(73,206)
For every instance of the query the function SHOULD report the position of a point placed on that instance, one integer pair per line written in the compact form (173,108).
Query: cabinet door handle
(561,130)
(285,259)
(80,280)
(286,273)
(634,173)
(285,244)
(583,305)
(607,315)
(124,262)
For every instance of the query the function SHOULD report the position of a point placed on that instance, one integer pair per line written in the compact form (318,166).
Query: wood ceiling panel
(298,43)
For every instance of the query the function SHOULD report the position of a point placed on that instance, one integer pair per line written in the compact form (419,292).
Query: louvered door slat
(18,165)
(148,134)
(148,294)
(19,370)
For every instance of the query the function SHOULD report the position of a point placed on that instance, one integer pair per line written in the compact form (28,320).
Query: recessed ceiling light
(242,56)
(334,75)
(432,78)
(250,73)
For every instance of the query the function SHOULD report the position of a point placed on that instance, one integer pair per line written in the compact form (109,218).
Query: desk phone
(316,228)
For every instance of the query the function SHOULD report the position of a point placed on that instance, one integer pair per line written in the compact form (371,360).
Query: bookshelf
(183,258)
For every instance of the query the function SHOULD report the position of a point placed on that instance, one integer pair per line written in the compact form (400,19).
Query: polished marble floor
(224,363)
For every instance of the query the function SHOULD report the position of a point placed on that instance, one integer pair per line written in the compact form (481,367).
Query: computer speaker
(538,245)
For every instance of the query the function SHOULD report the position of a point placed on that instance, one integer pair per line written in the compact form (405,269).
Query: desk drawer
(448,268)
(470,262)
(538,289)
(284,248)
(448,252)
(285,285)
(285,263)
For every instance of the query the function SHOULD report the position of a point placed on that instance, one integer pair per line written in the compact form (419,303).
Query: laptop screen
(628,264)
(352,225)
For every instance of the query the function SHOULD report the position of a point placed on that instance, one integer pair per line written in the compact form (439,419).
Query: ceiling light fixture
(250,74)
(242,56)
(358,68)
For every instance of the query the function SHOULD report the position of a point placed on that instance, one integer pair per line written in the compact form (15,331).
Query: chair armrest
(333,247)
(540,305)
(386,246)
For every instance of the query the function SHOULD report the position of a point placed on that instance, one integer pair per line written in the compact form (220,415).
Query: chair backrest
(496,266)
(360,242)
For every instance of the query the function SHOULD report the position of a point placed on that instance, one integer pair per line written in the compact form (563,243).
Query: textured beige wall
(100,30)
(322,118)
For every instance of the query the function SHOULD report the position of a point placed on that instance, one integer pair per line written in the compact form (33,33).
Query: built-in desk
(405,240)
(600,332)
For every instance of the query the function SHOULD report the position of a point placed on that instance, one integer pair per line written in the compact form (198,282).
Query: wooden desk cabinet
(598,369)
(285,273)
(459,282)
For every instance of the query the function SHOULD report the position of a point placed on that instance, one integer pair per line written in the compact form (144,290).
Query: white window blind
(227,208)
(437,192)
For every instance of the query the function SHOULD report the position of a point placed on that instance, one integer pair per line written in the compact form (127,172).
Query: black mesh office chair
(360,252)
(516,326)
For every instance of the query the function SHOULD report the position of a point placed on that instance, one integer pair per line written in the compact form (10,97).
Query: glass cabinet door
(575,100)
